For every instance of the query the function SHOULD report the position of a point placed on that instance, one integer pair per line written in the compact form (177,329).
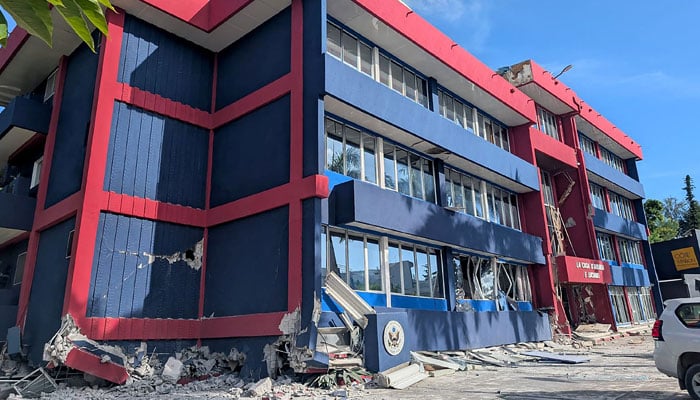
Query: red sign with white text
(582,270)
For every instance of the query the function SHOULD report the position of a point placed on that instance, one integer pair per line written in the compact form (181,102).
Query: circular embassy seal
(394,337)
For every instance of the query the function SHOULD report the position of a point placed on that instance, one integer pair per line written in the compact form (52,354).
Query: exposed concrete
(192,256)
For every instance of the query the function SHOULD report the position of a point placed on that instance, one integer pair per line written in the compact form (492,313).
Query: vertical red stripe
(107,89)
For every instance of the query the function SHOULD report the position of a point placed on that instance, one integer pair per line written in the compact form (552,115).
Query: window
(408,173)
(50,85)
(598,197)
(587,144)
(617,297)
(36,173)
(621,206)
(554,222)
(629,251)
(475,279)
(69,244)
(350,152)
(689,314)
(354,257)
(349,49)
(547,123)
(359,54)
(635,304)
(469,118)
(357,258)
(612,160)
(464,194)
(647,305)
(19,268)
(605,246)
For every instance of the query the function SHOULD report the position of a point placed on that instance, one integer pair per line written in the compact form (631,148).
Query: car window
(689,314)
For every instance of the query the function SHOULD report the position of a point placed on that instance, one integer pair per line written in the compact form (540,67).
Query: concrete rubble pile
(426,364)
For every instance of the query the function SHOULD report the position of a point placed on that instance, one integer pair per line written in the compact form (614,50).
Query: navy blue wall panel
(314,85)
(310,263)
(366,204)
(614,223)
(255,366)
(247,265)
(625,276)
(8,265)
(27,113)
(73,126)
(255,60)
(156,157)
(139,269)
(663,258)
(45,307)
(159,62)
(610,174)
(17,211)
(251,154)
(362,92)
(445,330)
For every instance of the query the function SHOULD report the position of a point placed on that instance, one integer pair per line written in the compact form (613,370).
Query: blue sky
(635,62)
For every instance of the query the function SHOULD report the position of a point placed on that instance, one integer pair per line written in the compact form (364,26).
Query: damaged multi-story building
(201,176)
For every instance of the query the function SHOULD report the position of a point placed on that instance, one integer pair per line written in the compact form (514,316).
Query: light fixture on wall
(565,69)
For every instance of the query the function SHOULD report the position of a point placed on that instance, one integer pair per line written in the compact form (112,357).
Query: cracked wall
(145,269)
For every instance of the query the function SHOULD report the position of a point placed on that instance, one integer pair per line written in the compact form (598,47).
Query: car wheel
(692,381)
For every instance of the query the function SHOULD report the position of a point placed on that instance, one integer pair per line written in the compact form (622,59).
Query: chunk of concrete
(172,369)
(260,387)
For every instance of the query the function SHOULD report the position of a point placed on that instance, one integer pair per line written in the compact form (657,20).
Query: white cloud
(471,16)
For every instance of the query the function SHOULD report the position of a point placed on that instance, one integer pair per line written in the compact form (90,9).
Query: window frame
(36,172)
(18,274)
(547,122)
(50,88)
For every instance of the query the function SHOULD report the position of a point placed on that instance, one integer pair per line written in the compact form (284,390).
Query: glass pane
(389,167)
(505,142)
(441,100)
(365,59)
(457,190)
(459,113)
(469,117)
(514,211)
(402,172)
(428,180)
(350,50)
(410,80)
(396,77)
(423,273)
(324,255)
(422,87)
(434,275)
(468,195)
(337,262)
(356,263)
(333,40)
(374,265)
(394,268)
(370,159)
(488,131)
(352,152)
(476,185)
(480,120)
(449,108)
(487,280)
(334,148)
(416,177)
(384,66)
(409,271)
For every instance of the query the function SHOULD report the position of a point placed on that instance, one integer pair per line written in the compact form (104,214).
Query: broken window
(513,282)
(612,159)
(472,280)
(605,247)
(598,197)
(547,123)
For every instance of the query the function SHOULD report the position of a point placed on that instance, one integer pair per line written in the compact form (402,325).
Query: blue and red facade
(198,177)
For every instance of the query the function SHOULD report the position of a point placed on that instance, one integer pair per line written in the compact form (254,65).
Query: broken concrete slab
(172,369)
(434,361)
(260,387)
(352,304)
(401,376)
(563,358)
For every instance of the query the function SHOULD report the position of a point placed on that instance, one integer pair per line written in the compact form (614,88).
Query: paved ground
(621,369)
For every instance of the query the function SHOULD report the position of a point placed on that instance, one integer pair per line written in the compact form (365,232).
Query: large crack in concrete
(192,256)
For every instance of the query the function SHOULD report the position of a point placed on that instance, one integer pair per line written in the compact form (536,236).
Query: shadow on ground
(596,395)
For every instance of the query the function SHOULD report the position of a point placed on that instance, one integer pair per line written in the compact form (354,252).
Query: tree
(661,227)
(35,17)
(674,209)
(691,217)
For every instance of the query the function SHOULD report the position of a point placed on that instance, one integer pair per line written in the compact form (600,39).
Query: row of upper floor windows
(610,246)
(612,202)
(591,147)
(356,153)
(380,66)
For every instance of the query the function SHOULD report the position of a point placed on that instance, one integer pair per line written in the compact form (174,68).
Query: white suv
(677,346)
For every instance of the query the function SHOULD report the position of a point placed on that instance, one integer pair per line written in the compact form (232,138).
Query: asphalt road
(620,369)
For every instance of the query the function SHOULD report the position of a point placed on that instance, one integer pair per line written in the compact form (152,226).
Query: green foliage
(35,17)
(661,226)
(691,217)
